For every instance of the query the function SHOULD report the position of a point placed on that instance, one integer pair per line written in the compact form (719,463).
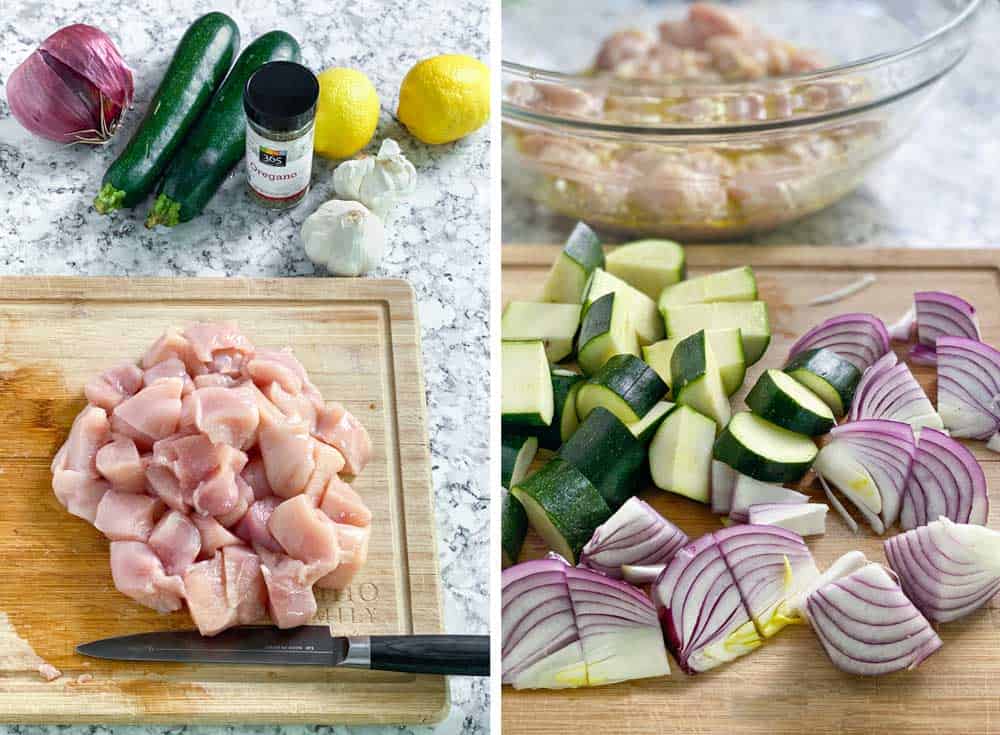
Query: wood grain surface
(789,685)
(359,340)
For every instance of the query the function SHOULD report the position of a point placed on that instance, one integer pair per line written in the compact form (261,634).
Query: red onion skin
(957,314)
(980,365)
(623,540)
(841,334)
(44,92)
(934,464)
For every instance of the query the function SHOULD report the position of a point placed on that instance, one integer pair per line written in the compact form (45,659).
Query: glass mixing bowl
(741,148)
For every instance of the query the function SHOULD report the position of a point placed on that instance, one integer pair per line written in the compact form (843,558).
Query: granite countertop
(438,240)
(939,189)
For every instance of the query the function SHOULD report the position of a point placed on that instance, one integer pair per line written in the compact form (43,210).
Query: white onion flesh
(968,379)
(635,535)
(888,390)
(941,314)
(859,338)
(838,506)
(842,566)
(805,519)
(945,480)
(837,464)
(868,626)
(749,491)
(642,575)
(770,565)
(886,449)
(723,484)
(904,329)
(947,569)
(699,605)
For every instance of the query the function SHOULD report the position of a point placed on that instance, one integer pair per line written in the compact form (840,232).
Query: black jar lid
(281,96)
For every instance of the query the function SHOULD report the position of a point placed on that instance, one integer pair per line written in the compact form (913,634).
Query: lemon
(346,113)
(445,98)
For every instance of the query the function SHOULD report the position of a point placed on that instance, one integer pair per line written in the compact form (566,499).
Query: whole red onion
(73,88)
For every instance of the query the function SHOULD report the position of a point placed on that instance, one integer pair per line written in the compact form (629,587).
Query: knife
(310,645)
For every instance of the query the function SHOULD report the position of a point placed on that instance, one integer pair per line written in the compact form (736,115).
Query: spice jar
(280,104)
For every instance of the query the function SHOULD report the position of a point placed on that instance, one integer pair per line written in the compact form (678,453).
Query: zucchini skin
(633,381)
(198,66)
(550,437)
(510,448)
(606,453)
(513,528)
(731,450)
(767,400)
(217,142)
(842,376)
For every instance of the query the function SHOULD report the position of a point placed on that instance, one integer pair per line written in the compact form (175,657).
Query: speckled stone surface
(939,189)
(438,240)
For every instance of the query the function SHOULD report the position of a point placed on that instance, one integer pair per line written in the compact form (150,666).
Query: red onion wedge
(869,462)
(849,563)
(906,328)
(723,484)
(770,565)
(537,622)
(635,535)
(640,575)
(749,492)
(941,314)
(968,378)
(838,506)
(888,390)
(859,338)
(704,619)
(73,88)
(618,628)
(868,626)
(946,480)
(947,569)
(805,519)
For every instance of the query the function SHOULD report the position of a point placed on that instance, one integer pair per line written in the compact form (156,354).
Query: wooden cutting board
(359,340)
(789,685)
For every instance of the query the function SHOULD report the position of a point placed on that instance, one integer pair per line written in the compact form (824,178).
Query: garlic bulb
(345,237)
(377,182)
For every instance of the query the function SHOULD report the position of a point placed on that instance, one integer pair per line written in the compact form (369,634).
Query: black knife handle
(458,655)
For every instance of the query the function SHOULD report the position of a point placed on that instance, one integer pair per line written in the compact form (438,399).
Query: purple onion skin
(940,458)
(74,87)
(843,334)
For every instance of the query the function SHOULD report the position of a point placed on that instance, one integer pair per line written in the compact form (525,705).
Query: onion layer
(968,378)
(750,492)
(946,480)
(888,390)
(859,338)
(941,314)
(947,569)
(868,626)
(635,535)
(805,519)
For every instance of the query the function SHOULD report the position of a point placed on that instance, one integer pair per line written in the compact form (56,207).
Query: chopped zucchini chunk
(554,324)
(648,265)
(828,375)
(680,456)
(516,454)
(697,380)
(624,385)
(568,276)
(646,427)
(782,400)
(513,528)
(736,284)
(526,393)
(606,331)
(643,314)
(766,452)
(750,317)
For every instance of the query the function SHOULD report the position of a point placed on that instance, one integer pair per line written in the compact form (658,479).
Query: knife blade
(309,645)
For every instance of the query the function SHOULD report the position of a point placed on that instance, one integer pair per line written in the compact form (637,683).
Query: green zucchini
(198,66)
(736,284)
(750,317)
(646,427)
(648,265)
(727,346)
(606,331)
(218,140)
(765,452)
(609,455)
(642,311)
(828,375)
(554,324)
(680,456)
(526,393)
(782,400)
(562,506)
(697,380)
(565,388)
(516,454)
(624,385)
(568,276)
(513,528)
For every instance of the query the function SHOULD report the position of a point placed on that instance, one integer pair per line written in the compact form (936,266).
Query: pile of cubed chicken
(220,476)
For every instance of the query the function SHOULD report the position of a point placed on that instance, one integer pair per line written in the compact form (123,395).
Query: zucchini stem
(165,211)
(109,199)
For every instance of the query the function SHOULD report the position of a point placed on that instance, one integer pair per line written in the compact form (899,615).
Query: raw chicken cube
(190,459)
(253,529)
(150,414)
(164,484)
(138,573)
(176,542)
(244,500)
(256,477)
(353,542)
(328,462)
(225,415)
(215,380)
(127,516)
(90,432)
(245,588)
(306,533)
(342,504)
(80,493)
(114,385)
(287,451)
(217,495)
(120,464)
(297,407)
(205,591)
(172,345)
(336,426)
(210,338)
(290,598)
(277,366)
(170,368)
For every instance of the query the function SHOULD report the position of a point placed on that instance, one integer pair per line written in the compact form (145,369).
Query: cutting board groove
(359,340)
(789,686)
